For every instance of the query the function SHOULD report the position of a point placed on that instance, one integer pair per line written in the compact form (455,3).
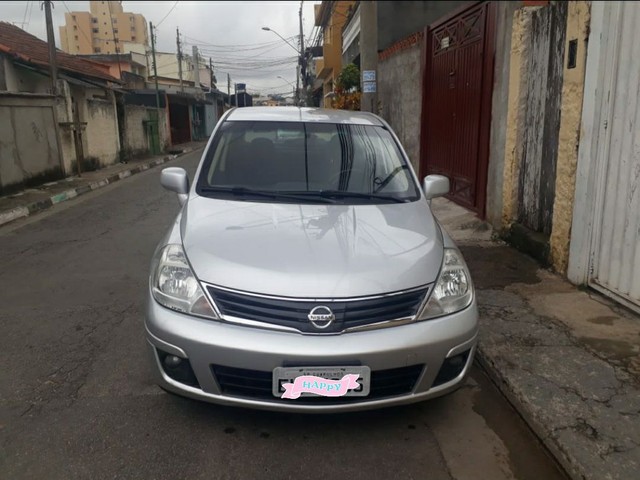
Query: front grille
(256,384)
(293,313)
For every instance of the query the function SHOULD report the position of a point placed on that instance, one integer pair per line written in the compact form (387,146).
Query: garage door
(615,253)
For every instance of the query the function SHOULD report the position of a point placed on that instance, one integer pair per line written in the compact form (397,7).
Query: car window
(306,158)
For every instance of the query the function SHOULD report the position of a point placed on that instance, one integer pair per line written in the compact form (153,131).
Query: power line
(163,18)
(24,19)
(30,12)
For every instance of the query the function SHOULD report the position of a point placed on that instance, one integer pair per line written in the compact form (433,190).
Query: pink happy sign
(320,386)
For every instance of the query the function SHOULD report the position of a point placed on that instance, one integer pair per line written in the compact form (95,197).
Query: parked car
(306,272)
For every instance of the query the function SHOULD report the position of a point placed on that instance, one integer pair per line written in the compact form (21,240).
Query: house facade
(52,133)
(527,108)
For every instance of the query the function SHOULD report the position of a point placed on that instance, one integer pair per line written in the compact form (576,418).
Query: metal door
(456,109)
(615,252)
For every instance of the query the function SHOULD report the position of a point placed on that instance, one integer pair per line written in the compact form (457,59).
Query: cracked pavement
(78,399)
(568,359)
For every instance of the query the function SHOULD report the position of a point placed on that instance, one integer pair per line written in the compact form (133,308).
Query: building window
(115,30)
(94,20)
(114,20)
(133,29)
(96,49)
(75,27)
(76,37)
(117,49)
(133,39)
(131,19)
(95,30)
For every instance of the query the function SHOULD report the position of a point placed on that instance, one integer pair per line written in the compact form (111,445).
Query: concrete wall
(400,97)
(499,109)
(29,150)
(399,19)
(578,22)
(520,47)
(136,141)
(135,136)
(20,79)
(101,134)
(100,140)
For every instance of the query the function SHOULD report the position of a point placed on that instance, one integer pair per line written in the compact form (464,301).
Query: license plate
(282,375)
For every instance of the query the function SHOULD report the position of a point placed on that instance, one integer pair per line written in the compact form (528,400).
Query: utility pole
(196,66)
(229,89)
(211,82)
(155,66)
(52,47)
(301,60)
(179,58)
(369,55)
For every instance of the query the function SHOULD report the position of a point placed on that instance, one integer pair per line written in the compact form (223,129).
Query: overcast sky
(228,32)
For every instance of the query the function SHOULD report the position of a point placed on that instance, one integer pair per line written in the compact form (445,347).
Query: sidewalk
(33,200)
(567,358)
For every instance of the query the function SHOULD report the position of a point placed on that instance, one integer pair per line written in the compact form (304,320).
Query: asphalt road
(77,398)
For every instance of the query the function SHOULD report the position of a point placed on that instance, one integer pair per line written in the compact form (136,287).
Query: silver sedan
(306,272)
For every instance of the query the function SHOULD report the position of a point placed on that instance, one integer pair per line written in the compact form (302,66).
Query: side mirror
(176,180)
(435,186)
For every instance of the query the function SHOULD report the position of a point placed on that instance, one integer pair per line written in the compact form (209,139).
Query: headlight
(174,285)
(453,290)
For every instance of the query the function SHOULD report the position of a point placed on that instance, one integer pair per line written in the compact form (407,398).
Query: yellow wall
(520,38)
(572,93)
(94,32)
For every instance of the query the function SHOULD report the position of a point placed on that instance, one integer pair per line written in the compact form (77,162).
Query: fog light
(179,369)
(451,368)
(172,361)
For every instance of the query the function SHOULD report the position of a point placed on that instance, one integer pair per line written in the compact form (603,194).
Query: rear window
(306,158)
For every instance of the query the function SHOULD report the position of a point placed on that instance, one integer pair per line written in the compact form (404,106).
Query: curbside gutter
(35,207)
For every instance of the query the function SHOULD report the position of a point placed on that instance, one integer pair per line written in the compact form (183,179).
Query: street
(78,399)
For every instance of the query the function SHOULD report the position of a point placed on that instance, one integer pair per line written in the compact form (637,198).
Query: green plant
(349,78)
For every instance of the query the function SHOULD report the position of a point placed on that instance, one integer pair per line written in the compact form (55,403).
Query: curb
(569,465)
(35,207)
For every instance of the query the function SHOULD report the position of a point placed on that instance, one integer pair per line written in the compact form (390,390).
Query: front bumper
(206,342)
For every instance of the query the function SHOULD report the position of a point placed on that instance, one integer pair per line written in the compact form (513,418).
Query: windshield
(290,162)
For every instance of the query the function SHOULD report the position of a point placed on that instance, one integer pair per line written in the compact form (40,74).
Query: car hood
(311,251)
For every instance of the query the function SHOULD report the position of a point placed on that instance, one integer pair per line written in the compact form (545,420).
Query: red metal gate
(456,110)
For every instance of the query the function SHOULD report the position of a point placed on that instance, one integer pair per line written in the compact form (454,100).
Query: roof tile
(30,49)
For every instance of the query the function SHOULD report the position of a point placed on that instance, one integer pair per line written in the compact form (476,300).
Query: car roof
(302,114)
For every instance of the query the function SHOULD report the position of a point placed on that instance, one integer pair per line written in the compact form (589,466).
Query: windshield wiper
(339,194)
(394,172)
(248,192)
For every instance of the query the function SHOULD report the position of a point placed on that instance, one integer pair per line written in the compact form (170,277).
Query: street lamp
(298,72)
(267,29)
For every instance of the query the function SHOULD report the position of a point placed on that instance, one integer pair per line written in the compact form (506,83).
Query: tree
(349,78)
(347,92)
